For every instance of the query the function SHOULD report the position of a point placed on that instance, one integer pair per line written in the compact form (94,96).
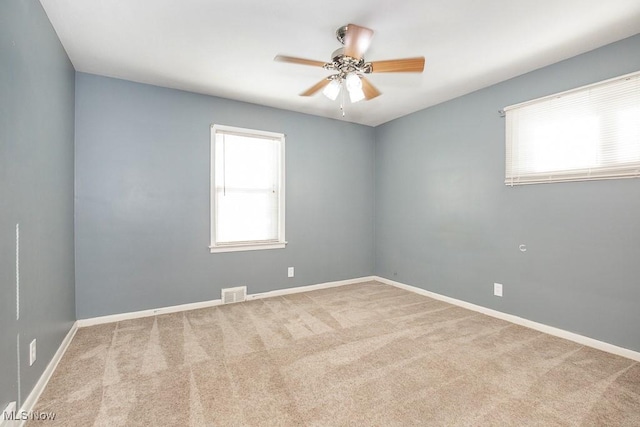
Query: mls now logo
(28,416)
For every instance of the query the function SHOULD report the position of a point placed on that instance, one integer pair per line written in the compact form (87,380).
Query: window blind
(588,133)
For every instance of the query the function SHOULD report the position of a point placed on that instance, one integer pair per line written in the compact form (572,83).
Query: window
(588,133)
(247,189)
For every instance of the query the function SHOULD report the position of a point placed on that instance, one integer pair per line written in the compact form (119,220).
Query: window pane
(553,144)
(247,215)
(246,162)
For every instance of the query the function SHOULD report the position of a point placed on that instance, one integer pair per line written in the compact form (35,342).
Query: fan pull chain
(342,103)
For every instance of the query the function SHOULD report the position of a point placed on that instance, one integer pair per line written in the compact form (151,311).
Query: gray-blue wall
(142,199)
(445,221)
(36,190)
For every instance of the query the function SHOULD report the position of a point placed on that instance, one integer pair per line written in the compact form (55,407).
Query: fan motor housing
(337,54)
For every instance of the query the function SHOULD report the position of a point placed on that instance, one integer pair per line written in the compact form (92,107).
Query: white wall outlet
(32,352)
(290,272)
(497,289)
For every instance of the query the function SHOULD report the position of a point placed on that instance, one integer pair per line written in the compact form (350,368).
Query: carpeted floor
(359,355)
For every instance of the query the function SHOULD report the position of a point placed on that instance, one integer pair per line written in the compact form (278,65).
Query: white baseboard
(308,288)
(30,402)
(204,304)
(580,339)
(146,313)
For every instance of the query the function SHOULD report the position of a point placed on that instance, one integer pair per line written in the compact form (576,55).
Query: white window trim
(248,246)
(586,174)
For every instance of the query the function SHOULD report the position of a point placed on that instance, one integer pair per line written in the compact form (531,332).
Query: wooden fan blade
(357,40)
(316,87)
(369,90)
(302,61)
(407,65)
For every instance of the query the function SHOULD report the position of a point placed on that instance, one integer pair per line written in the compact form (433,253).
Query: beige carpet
(359,355)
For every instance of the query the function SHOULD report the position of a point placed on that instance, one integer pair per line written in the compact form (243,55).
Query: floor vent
(237,294)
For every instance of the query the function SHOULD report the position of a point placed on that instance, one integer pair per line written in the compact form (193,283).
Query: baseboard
(30,402)
(561,333)
(204,304)
(308,288)
(146,313)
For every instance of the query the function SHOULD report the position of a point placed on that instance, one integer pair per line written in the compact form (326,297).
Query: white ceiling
(226,47)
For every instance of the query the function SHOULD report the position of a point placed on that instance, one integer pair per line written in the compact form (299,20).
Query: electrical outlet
(32,352)
(290,272)
(497,289)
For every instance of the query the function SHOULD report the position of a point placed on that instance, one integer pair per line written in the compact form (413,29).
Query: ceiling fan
(350,66)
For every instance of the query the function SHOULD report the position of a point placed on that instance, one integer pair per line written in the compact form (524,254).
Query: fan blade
(407,65)
(302,61)
(357,40)
(316,87)
(369,90)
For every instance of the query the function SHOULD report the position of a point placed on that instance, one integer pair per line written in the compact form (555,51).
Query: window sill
(249,247)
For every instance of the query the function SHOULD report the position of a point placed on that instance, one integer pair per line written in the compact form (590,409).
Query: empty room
(243,213)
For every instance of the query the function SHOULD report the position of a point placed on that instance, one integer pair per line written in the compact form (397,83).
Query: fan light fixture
(352,83)
(354,86)
(332,90)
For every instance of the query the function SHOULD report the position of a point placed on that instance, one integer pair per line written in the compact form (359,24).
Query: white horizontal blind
(588,133)
(247,188)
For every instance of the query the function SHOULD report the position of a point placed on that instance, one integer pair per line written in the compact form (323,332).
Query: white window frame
(279,243)
(606,159)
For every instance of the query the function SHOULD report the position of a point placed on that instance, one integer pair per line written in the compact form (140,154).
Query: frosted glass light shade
(332,90)
(356,95)
(353,82)
(354,86)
